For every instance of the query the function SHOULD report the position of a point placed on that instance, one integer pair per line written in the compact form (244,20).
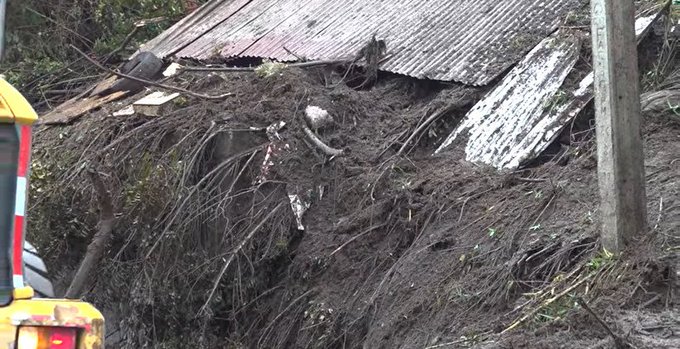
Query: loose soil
(402,250)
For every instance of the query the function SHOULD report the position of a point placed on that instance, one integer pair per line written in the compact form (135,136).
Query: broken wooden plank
(503,127)
(509,127)
(104,85)
(74,108)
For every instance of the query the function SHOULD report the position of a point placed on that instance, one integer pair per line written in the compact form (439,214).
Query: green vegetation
(492,232)
(602,259)
(37,56)
(560,98)
(555,311)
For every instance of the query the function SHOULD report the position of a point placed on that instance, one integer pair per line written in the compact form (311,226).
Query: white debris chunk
(127,111)
(269,68)
(642,24)
(274,150)
(172,69)
(317,118)
(299,207)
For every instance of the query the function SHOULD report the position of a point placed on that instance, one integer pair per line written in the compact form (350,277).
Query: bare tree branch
(619,342)
(123,44)
(436,115)
(235,253)
(318,143)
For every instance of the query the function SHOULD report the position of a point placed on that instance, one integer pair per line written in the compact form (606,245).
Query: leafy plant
(560,98)
(492,232)
(602,259)
(39,34)
(555,311)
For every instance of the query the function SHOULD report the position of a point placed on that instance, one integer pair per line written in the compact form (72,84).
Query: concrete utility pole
(617,107)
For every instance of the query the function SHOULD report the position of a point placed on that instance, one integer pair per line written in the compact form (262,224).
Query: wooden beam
(617,108)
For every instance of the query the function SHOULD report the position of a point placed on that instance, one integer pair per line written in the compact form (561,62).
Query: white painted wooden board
(157,98)
(524,114)
(507,124)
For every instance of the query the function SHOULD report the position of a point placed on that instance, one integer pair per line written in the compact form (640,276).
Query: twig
(292,53)
(62,92)
(432,118)
(389,145)
(650,302)
(460,341)
(190,195)
(357,237)
(96,248)
(123,44)
(531,180)
(266,330)
(617,340)
(658,218)
(319,144)
(236,251)
(655,327)
(462,208)
(81,37)
(151,83)
(260,296)
(79,79)
(545,304)
(552,197)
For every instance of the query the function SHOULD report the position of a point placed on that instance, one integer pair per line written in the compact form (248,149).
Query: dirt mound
(399,248)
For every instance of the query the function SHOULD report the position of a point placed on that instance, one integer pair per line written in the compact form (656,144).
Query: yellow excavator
(30,316)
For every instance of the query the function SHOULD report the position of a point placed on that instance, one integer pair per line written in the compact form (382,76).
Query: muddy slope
(399,248)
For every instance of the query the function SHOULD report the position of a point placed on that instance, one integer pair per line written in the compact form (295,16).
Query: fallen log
(96,248)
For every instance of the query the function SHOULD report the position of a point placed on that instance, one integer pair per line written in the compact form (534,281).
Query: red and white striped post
(20,205)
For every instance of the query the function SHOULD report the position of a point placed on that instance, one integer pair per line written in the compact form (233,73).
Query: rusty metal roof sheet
(451,40)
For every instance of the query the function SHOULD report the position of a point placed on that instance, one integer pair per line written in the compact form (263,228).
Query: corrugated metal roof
(503,128)
(528,109)
(470,41)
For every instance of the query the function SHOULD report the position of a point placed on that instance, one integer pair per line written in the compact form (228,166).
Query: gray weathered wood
(617,107)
